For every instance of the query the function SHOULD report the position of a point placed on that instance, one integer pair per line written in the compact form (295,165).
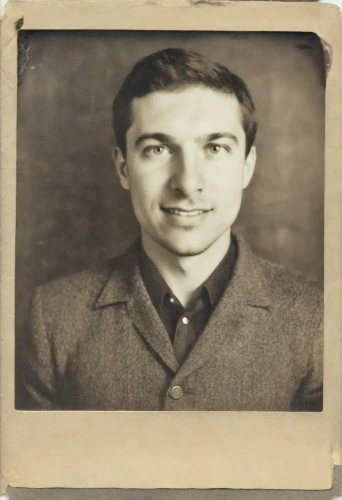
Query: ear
(121,167)
(249,167)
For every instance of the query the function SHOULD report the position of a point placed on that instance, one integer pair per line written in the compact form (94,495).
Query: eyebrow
(157,136)
(169,139)
(221,135)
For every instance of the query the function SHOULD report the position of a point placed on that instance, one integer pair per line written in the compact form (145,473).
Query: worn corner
(327,54)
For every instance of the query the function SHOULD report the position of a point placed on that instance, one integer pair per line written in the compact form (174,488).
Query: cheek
(228,180)
(145,189)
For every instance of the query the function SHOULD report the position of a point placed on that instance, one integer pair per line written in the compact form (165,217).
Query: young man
(188,318)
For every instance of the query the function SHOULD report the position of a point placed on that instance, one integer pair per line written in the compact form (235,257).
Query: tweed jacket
(96,342)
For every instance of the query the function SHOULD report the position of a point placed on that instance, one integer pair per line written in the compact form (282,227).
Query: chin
(182,249)
(187,253)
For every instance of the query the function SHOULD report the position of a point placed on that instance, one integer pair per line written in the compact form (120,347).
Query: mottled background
(71,211)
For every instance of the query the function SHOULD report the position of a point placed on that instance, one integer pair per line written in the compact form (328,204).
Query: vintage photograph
(170,221)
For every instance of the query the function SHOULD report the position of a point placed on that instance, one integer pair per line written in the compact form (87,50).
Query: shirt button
(172,300)
(176,392)
(185,320)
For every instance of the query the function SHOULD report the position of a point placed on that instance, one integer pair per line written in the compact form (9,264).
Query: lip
(186,213)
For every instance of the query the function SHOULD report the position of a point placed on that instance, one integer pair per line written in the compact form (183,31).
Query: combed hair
(174,69)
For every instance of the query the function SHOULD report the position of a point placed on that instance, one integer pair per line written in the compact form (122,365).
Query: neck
(185,274)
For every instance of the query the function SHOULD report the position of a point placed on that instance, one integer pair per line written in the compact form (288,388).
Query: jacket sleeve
(309,396)
(37,380)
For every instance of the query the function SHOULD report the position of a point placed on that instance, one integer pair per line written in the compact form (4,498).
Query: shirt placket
(185,335)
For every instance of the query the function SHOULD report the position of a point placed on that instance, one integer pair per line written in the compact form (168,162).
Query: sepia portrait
(170,294)
(187,316)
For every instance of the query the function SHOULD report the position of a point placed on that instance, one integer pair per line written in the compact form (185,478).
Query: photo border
(268,450)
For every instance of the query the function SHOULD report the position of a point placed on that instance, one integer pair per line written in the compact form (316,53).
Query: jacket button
(176,392)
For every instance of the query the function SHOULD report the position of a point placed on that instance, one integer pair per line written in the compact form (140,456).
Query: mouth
(185,213)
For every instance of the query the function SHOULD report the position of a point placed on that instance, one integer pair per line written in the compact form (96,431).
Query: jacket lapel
(125,285)
(246,294)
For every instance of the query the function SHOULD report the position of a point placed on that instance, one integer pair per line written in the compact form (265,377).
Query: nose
(187,173)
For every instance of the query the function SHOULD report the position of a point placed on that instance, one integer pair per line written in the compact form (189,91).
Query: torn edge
(19,24)
(327,55)
(209,2)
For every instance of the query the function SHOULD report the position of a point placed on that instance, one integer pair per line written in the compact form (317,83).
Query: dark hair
(172,69)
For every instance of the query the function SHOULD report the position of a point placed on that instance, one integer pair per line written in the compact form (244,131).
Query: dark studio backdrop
(72,212)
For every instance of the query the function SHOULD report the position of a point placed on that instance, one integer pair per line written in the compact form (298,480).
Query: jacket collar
(123,274)
(248,279)
(243,307)
(247,289)
(125,285)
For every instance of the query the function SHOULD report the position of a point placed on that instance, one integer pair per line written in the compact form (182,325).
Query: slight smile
(185,213)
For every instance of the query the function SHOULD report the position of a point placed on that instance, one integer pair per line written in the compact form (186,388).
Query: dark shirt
(184,326)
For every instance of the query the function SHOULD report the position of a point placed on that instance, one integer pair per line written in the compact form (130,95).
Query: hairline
(180,88)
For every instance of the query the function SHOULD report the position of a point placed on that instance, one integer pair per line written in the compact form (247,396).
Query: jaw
(185,240)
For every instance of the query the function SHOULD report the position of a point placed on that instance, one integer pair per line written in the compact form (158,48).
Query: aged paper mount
(166,449)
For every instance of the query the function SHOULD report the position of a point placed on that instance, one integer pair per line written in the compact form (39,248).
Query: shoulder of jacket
(289,283)
(78,286)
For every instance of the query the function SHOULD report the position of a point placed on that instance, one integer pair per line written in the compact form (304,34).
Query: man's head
(185,128)
(176,69)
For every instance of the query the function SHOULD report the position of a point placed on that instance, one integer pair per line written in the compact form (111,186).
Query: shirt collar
(217,282)
(214,285)
(154,282)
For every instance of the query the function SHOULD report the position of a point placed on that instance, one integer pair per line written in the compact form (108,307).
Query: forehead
(192,110)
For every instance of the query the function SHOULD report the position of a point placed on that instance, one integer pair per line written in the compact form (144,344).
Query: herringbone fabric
(96,343)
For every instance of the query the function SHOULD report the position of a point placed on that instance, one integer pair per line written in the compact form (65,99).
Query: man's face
(186,167)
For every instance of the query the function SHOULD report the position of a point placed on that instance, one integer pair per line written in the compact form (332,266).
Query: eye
(215,149)
(156,150)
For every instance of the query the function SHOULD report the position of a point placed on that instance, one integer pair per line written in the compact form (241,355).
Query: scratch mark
(23,55)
